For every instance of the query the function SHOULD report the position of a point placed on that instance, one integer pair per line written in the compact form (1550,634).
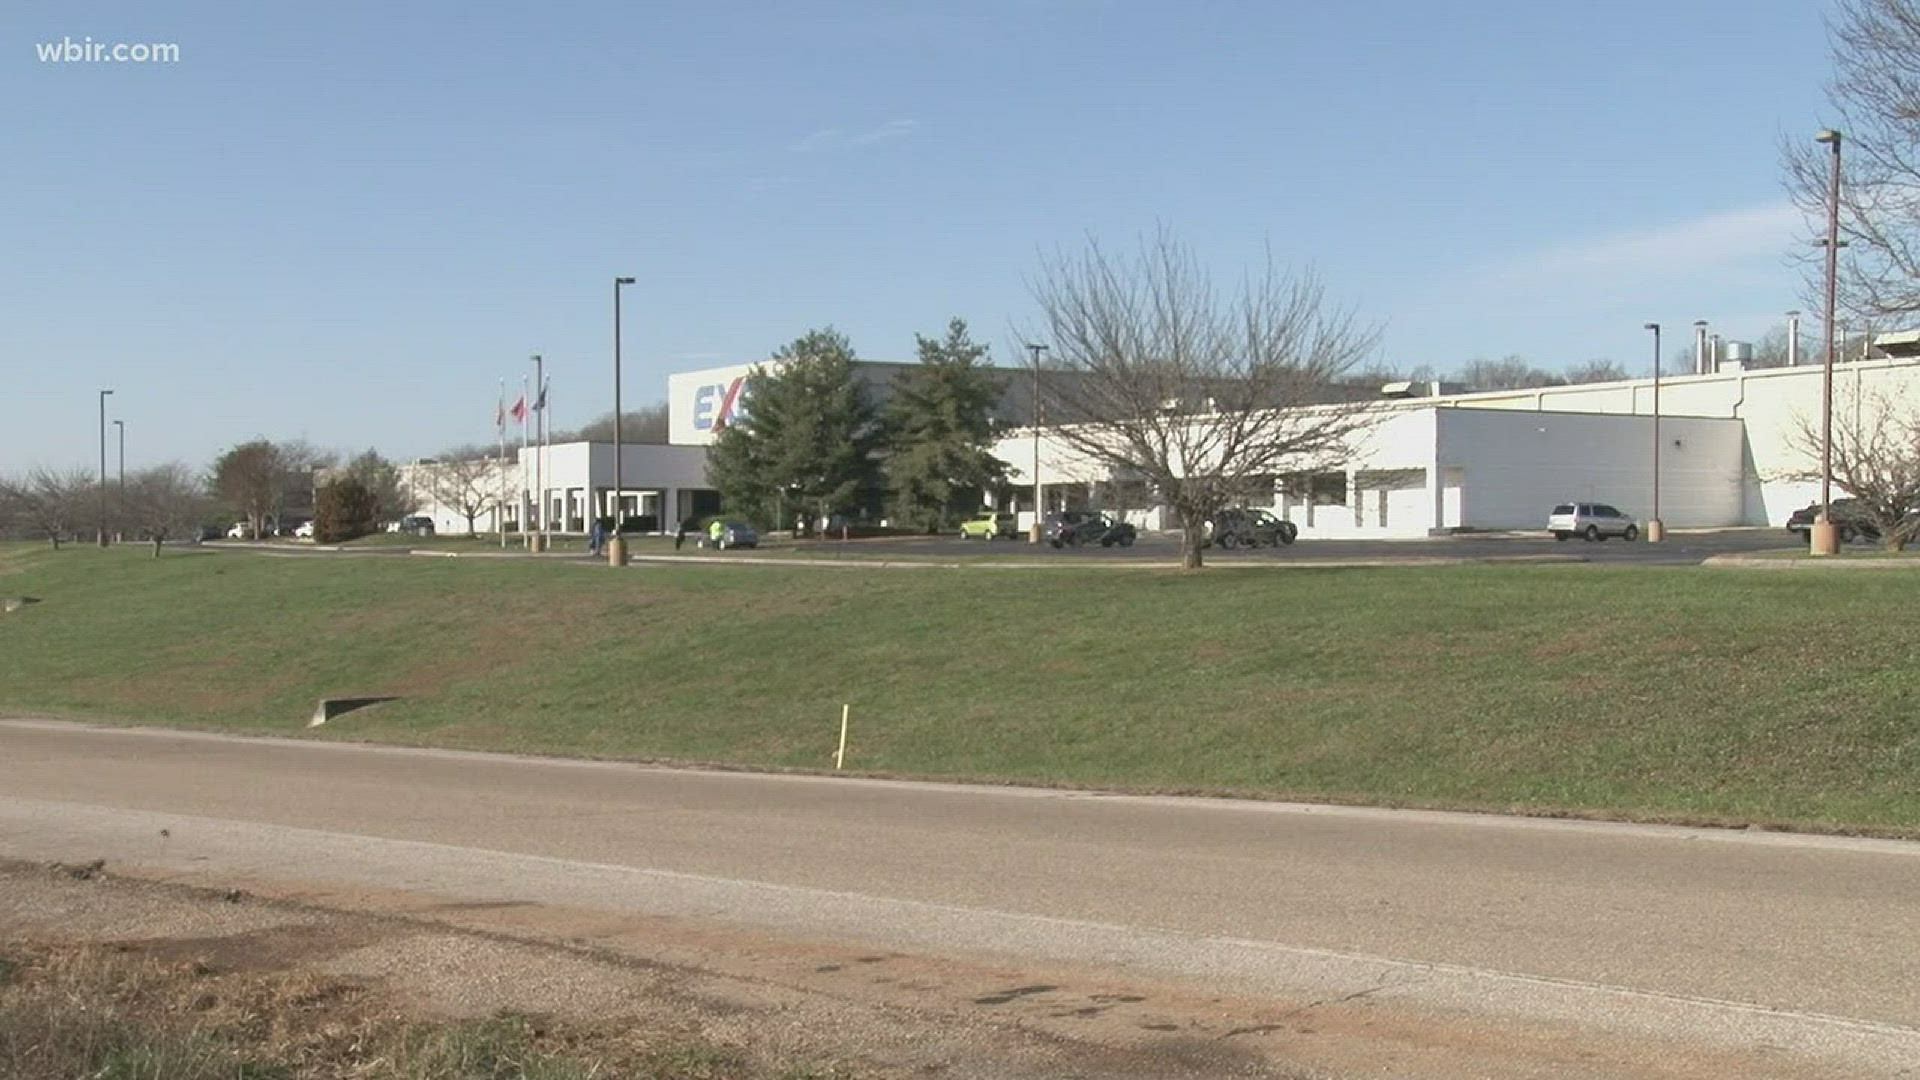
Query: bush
(343,510)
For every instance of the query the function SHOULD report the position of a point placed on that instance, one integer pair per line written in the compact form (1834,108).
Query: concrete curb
(1808,562)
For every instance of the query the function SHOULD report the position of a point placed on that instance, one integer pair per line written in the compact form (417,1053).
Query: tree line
(260,482)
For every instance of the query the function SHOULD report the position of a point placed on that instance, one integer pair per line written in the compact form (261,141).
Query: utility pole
(539,452)
(103,466)
(120,496)
(1038,507)
(1656,529)
(617,547)
(1824,538)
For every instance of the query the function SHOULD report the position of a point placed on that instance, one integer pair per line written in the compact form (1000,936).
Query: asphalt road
(1679,548)
(1625,950)
(1685,548)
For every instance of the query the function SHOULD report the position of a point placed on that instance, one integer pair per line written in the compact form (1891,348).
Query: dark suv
(1241,526)
(1075,527)
(1848,516)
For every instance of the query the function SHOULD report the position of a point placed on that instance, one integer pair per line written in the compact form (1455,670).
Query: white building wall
(1513,467)
(576,478)
(1773,403)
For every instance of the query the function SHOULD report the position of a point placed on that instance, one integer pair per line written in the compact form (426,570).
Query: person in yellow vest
(716,531)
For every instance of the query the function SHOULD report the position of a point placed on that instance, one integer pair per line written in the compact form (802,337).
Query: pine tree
(807,441)
(939,427)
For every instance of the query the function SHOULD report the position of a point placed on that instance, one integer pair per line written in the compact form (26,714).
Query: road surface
(1400,943)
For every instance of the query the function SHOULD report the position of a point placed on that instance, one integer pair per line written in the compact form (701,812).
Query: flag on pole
(519,410)
(500,409)
(540,402)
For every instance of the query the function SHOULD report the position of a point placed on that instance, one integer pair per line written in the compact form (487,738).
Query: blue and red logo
(716,404)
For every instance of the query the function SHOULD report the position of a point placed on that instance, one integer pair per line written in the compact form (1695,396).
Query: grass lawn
(1642,692)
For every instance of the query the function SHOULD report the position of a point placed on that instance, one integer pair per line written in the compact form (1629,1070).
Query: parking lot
(1677,549)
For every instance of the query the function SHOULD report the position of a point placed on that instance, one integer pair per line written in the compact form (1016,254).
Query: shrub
(344,509)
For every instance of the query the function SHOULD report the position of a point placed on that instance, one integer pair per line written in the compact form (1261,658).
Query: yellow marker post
(840,755)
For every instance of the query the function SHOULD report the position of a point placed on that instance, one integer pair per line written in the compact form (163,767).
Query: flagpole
(500,430)
(539,450)
(526,505)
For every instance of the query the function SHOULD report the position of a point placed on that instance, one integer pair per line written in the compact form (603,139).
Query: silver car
(1590,521)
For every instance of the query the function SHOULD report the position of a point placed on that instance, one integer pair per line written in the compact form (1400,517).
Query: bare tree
(13,506)
(1160,375)
(261,480)
(250,478)
(647,424)
(469,486)
(50,501)
(1507,373)
(1875,98)
(166,502)
(1876,460)
(1593,371)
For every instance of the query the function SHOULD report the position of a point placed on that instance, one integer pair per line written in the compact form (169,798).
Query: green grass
(1640,692)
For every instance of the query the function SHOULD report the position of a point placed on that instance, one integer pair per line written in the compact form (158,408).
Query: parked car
(1851,518)
(240,530)
(1071,528)
(290,526)
(1241,526)
(418,525)
(989,525)
(737,534)
(303,531)
(1590,521)
(208,532)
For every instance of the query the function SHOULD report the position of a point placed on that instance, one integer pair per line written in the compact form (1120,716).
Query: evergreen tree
(807,441)
(939,429)
(344,509)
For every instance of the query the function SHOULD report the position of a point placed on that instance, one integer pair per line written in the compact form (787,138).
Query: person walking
(597,536)
(716,532)
(680,538)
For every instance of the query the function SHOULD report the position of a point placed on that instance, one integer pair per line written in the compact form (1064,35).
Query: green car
(988,525)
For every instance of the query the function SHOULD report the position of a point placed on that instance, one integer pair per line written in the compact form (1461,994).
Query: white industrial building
(1502,459)
(561,488)
(1431,462)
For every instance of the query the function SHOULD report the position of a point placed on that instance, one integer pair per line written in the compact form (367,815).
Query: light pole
(538,541)
(617,547)
(1699,346)
(1036,350)
(120,496)
(1793,339)
(1656,529)
(1824,538)
(103,466)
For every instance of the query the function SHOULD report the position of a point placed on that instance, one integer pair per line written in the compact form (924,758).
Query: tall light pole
(1793,339)
(1036,350)
(103,466)
(120,496)
(1656,529)
(539,541)
(617,547)
(1699,346)
(1824,538)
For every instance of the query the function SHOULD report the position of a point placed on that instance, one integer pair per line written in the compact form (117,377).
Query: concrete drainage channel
(338,706)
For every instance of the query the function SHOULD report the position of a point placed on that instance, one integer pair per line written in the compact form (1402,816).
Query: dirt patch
(594,986)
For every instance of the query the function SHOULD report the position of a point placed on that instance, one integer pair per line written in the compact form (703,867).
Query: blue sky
(346,221)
